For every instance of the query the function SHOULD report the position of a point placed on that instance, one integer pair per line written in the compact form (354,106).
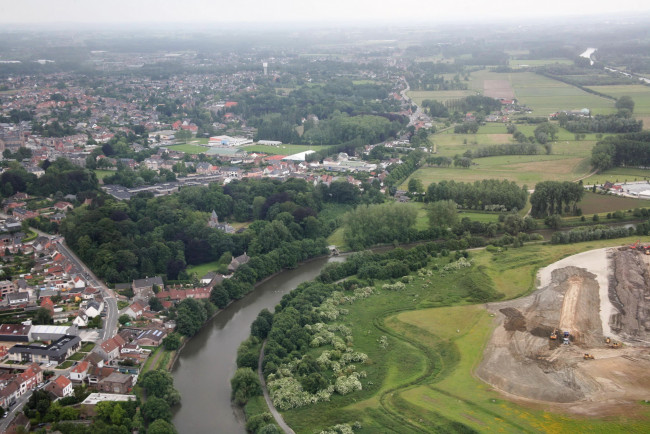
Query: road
(275,413)
(4,422)
(110,321)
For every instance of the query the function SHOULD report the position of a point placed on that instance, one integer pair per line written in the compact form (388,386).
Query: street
(14,410)
(110,321)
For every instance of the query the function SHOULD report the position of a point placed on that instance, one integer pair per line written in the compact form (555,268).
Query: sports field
(188,149)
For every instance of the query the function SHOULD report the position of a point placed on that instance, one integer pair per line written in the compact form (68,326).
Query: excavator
(615,345)
(588,356)
(640,247)
(608,340)
(554,335)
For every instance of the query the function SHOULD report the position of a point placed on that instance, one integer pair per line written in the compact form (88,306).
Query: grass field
(522,63)
(523,169)
(282,149)
(594,203)
(423,381)
(203,269)
(439,95)
(188,149)
(639,93)
(618,174)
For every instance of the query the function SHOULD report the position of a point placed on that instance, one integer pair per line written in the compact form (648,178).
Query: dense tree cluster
(475,104)
(615,123)
(624,150)
(146,236)
(593,233)
(377,224)
(554,197)
(507,149)
(480,194)
(399,172)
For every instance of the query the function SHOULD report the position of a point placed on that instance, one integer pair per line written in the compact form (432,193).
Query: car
(5,415)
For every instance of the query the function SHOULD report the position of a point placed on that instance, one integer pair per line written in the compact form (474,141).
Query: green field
(423,381)
(639,93)
(101,174)
(203,269)
(593,203)
(282,149)
(439,95)
(522,63)
(188,149)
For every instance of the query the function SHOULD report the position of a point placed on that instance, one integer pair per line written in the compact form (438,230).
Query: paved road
(4,422)
(110,321)
(276,414)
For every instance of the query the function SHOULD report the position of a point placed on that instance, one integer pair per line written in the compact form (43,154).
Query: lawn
(65,365)
(594,203)
(203,269)
(188,148)
(101,174)
(87,347)
(282,149)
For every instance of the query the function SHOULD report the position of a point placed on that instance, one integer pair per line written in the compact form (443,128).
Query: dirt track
(593,295)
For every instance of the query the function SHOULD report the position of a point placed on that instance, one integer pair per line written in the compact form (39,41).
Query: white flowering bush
(356,357)
(397,286)
(457,265)
(345,385)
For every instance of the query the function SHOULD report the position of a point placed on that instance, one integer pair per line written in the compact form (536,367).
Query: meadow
(281,150)
(618,174)
(639,93)
(439,95)
(523,63)
(423,379)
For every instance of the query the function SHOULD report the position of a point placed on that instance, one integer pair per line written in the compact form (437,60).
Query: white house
(80,372)
(94,308)
(81,320)
(135,310)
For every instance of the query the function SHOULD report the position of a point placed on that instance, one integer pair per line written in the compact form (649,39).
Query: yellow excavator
(615,345)
(608,340)
(588,356)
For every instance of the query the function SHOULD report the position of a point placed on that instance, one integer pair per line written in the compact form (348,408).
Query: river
(202,372)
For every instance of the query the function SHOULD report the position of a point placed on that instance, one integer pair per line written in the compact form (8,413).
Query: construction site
(581,342)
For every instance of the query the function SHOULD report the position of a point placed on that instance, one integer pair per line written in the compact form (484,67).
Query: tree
(161,427)
(625,102)
(43,316)
(157,382)
(124,318)
(155,304)
(156,408)
(443,213)
(245,384)
(415,186)
(172,341)
(190,317)
(183,135)
(262,325)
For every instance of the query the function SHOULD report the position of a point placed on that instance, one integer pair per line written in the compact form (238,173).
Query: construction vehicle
(607,340)
(615,345)
(588,356)
(565,339)
(554,335)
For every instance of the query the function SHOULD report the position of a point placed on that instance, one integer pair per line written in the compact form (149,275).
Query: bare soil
(498,89)
(593,295)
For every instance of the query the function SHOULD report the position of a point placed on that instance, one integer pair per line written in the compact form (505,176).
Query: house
(94,308)
(143,288)
(80,372)
(116,383)
(89,293)
(110,349)
(151,337)
(9,393)
(63,206)
(208,277)
(60,387)
(6,287)
(18,298)
(135,310)
(29,378)
(238,261)
(81,320)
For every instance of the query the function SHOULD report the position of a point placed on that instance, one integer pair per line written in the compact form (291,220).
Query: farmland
(593,203)
(639,93)
(439,95)
(618,174)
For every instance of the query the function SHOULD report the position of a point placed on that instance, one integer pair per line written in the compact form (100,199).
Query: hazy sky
(269,11)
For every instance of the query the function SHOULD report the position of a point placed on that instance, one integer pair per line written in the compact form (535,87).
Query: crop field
(544,95)
(439,95)
(280,150)
(523,169)
(188,149)
(422,380)
(593,203)
(618,174)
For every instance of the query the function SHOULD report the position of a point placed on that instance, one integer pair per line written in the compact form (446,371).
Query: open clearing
(593,295)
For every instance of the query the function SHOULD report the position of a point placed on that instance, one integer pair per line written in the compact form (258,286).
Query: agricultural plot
(618,174)
(593,203)
(525,63)
(522,169)
(498,89)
